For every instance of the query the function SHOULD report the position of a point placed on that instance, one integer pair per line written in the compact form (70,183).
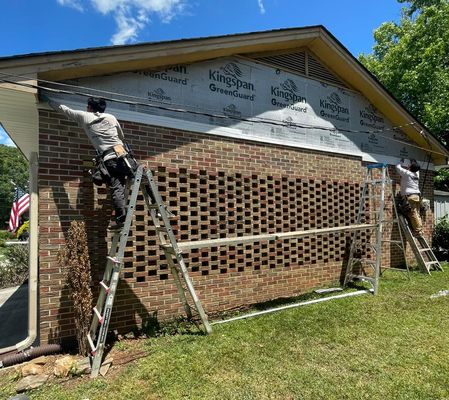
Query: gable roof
(61,65)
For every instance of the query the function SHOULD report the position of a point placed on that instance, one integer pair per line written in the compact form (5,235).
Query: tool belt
(118,150)
(100,174)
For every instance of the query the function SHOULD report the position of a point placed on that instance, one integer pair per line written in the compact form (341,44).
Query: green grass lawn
(391,346)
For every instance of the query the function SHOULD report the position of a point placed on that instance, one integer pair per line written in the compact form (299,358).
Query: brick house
(246,134)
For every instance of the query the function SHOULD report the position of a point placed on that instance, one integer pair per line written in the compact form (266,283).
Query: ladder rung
(106,287)
(115,260)
(99,316)
(392,241)
(363,278)
(374,181)
(432,262)
(93,349)
(365,260)
(424,250)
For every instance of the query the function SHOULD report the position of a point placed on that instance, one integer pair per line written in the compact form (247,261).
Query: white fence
(441,204)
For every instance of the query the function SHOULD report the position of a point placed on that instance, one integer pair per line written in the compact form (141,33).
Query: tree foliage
(411,59)
(440,239)
(13,167)
(416,5)
(441,179)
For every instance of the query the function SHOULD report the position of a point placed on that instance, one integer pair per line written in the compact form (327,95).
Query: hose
(30,354)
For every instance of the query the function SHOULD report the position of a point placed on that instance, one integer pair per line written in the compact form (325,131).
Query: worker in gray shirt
(410,190)
(106,135)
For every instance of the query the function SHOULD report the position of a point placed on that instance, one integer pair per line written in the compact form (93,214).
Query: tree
(441,180)
(13,167)
(411,59)
(416,5)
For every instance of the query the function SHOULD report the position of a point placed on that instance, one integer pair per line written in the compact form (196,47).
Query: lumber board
(200,244)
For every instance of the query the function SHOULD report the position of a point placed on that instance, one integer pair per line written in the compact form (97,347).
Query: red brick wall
(217,187)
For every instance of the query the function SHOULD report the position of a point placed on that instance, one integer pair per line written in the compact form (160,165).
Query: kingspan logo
(333,103)
(372,138)
(288,91)
(231,76)
(289,94)
(228,80)
(159,95)
(371,117)
(288,121)
(332,108)
(232,111)
(403,152)
(292,126)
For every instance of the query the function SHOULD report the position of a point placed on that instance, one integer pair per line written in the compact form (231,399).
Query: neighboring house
(441,204)
(247,134)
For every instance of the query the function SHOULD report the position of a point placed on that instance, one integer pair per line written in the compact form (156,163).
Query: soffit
(19,117)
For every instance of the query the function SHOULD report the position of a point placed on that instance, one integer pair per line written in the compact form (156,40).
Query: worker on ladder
(106,135)
(411,194)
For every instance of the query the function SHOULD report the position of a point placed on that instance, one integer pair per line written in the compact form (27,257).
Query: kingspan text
(232,93)
(164,76)
(287,95)
(371,117)
(335,108)
(230,81)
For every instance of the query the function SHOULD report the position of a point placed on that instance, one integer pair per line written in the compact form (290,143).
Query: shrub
(14,266)
(440,239)
(23,232)
(441,179)
(4,236)
(75,258)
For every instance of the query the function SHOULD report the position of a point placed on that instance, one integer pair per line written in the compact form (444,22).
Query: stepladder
(376,206)
(422,251)
(142,182)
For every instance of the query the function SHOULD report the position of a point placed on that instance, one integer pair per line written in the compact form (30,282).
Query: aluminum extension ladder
(372,207)
(108,286)
(423,253)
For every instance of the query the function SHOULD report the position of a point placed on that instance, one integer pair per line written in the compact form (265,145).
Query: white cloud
(128,26)
(71,3)
(261,6)
(132,16)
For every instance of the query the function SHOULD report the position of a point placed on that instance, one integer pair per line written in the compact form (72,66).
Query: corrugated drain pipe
(28,355)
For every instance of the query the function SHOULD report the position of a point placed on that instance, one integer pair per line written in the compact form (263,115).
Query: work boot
(119,222)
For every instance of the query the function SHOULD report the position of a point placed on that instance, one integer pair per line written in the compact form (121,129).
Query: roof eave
(116,59)
(332,51)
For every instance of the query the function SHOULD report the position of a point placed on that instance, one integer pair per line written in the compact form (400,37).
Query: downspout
(33,261)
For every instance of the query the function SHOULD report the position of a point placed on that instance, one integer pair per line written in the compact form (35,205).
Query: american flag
(19,206)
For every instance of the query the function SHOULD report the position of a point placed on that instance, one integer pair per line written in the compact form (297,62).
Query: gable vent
(295,62)
(301,62)
(318,71)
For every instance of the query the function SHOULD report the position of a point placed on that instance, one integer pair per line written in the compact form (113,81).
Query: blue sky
(30,26)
